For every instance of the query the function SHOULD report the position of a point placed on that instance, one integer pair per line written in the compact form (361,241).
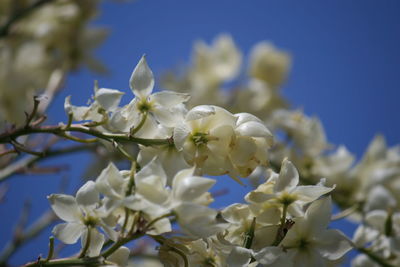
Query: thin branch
(29,160)
(34,230)
(60,131)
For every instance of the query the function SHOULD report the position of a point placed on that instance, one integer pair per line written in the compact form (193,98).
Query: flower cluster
(209,137)
(282,224)
(175,139)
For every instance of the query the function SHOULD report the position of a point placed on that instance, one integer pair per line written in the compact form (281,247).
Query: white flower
(309,243)
(249,148)
(164,107)
(218,62)
(81,215)
(283,188)
(205,137)
(269,64)
(104,99)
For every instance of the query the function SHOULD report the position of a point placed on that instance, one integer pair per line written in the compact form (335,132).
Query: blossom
(309,243)
(283,188)
(204,138)
(82,215)
(269,64)
(164,107)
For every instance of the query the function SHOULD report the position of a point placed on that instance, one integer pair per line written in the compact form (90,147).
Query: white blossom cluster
(216,141)
(371,185)
(175,138)
(282,224)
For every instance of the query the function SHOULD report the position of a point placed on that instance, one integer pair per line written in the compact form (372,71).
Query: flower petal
(309,193)
(288,177)
(87,195)
(199,112)
(333,244)
(65,207)
(187,187)
(96,242)
(108,98)
(318,214)
(169,99)
(239,257)
(120,256)
(69,232)
(110,182)
(142,79)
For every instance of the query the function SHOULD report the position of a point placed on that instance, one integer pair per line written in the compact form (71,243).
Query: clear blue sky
(346,68)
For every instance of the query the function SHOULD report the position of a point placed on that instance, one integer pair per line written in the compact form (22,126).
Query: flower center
(199,139)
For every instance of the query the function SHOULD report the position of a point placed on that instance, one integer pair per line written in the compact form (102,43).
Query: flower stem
(51,249)
(87,243)
(248,239)
(133,131)
(280,234)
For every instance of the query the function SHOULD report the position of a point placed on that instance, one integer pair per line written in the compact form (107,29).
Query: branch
(29,160)
(34,230)
(61,131)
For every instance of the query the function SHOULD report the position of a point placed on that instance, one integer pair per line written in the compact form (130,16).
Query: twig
(60,131)
(29,160)
(34,230)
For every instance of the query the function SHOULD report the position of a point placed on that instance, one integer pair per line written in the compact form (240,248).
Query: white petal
(309,193)
(255,129)
(68,233)
(153,168)
(198,220)
(142,80)
(110,232)
(246,117)
(268,255)
(87,195)
(288,177)
(199,112)
(120,256)
(318,214)
(239,257)
(110,182)
(96,242)
(236,213)
(243,150)
(108,98)
(181,132)
(332,244)
(169,99)
(65,207)
(166,117)
(188,187)
(264,236)
(160,227)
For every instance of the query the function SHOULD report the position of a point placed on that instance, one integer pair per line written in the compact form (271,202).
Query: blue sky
(346,63)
